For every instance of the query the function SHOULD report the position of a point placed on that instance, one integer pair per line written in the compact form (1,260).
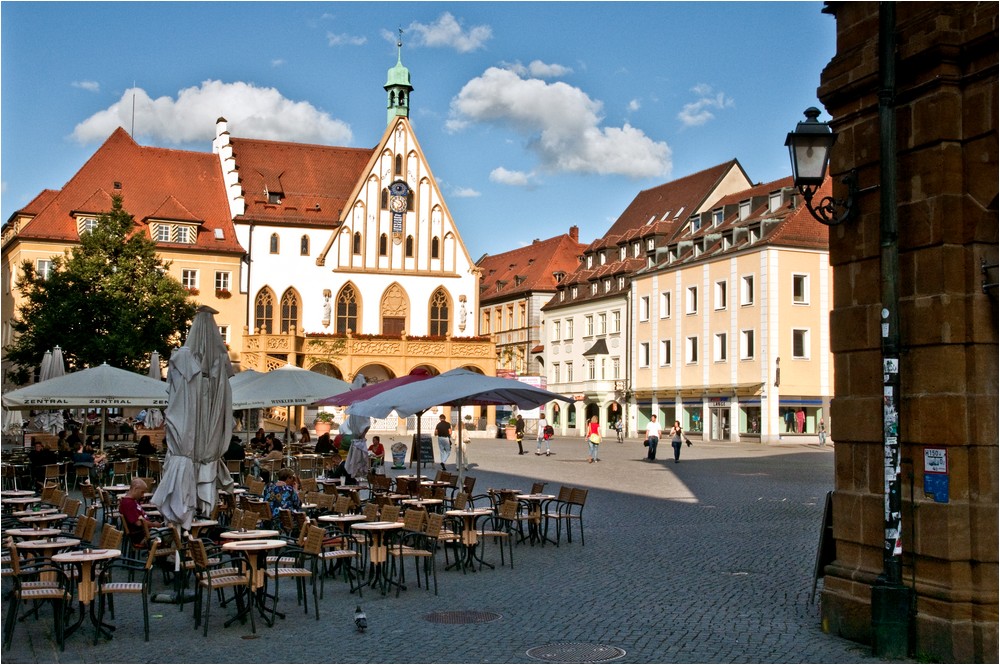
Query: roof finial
(399,45)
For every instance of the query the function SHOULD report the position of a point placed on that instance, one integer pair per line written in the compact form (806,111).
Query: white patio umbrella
(154,417)
(235,382)
(198,424)
(92,387)
(457,387)
(52,367)
(286,386)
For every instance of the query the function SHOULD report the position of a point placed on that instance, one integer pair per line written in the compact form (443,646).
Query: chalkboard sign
(426,450)
(826,551)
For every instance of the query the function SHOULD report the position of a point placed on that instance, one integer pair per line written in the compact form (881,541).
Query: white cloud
(277,62)
(465,193)
(344,39)
(89,86)
(634,105)
(252,111)
(447,32)
(504,176)
(561,124)
(538,69)
(699,112)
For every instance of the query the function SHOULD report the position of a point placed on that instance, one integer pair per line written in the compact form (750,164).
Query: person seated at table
(340,471)
(133,515)
(377,451)
(40,457)
(283,493)
(323,444)
(235,450)
(85,457)
(276,452)
(74,437)
(145,446)
(304,435)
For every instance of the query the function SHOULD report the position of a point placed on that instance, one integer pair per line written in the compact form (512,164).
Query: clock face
(397,203)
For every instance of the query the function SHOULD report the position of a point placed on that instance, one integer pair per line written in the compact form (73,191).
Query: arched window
(399,165)
(357,243)
(440,306)
(395,308)
(402,98)
(435,248)
(264,311)
(383,245)
(409,246)
(274,243)
(409,200)
(289,310)
(347,310)
(304,246)
(385,198)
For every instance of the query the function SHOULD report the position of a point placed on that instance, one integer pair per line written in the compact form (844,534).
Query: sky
(533,116)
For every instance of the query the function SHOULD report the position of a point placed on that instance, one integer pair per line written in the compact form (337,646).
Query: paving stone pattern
(705,561)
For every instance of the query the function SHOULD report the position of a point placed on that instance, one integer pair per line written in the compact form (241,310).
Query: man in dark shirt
(235,450)
(41,457)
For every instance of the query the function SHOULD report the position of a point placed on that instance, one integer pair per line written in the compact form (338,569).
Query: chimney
(574,233)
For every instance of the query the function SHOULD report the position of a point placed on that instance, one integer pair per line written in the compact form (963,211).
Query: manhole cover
(575,652)
(465,616)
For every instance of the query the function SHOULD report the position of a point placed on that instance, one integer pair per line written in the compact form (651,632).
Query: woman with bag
(593,438)
(676,437)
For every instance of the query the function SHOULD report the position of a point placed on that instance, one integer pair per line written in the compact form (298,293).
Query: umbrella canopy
(155,372)
(285,386)
(198,423)
(92,387)
(457,387)
(51,368)
(372,389)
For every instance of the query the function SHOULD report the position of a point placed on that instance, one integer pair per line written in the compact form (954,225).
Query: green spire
(397,85)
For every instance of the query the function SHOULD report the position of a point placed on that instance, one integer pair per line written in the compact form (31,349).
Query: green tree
(109,299)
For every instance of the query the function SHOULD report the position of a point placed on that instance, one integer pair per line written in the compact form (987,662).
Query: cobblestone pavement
(708,560)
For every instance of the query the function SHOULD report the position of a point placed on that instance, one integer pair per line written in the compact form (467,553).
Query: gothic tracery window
(289,310)
(439,309)
(347,309)
(264,310)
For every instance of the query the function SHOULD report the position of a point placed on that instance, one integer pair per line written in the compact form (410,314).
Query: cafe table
(378,553)
(470,535)
(86,589)
(533,504)
(43,521)
(13,494)
(256,551)
(9,503)
(198,525)
(29,513)
(422,503)
(32,533)
(249,534)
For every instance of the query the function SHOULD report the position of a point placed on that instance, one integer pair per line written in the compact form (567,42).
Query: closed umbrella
(198,423)
(154,417)
(52,367)
(457,387)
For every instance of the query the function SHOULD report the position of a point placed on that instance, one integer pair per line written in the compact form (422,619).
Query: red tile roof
(305,175)
(528,269)
(177,184)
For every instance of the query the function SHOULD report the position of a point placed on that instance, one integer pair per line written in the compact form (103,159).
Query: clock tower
(398,86)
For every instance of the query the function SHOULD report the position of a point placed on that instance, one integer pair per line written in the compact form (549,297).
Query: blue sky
(533,116)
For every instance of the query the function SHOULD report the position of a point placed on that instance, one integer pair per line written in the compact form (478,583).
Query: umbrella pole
(104,424)
(460,457)
(420,414)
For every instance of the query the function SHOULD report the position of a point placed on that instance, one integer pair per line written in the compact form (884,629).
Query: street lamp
(809,149)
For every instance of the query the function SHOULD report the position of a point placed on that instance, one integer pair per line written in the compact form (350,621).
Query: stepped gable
(314,181)
(530,268)
(145,177)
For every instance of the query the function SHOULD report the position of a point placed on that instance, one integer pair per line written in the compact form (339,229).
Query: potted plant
(511,429)
(323,423)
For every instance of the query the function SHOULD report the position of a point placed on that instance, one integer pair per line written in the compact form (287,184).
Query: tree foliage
(109,299)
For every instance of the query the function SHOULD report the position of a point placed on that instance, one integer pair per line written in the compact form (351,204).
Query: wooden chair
(154,468)
(255,486)
(121,472)
(342,506)
(370,511)
(107,587)
(235,467)
(55,476)
(90,495)
(312,546)
(217,577)
(81,475)
(308,485)
(111,538)
(389,513)
(420,545)
(109,506)
(36,583)
(568,511)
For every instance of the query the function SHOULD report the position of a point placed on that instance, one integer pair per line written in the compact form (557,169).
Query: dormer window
(607,285)
(744,210)
(622,253)
(161,233)
(727,241)
(636,248)
(183,234)
(695,224)
(273,198)
(574,292)
(672,253)
(86,225)
(754,233)
(650,245)
(590,260)
(602,258)
(717,216)
(593,289)
(621,282)
(560,276)
(699,247)
(562,296)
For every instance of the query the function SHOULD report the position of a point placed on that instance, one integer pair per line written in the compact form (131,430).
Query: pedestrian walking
(676,438)
(652,438)
(519,433)
(822,432)
(540,436)
(594,439)
(443,432)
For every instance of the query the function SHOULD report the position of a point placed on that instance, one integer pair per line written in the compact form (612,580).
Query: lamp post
(809,147)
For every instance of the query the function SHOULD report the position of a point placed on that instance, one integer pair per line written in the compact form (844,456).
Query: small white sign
(935,460)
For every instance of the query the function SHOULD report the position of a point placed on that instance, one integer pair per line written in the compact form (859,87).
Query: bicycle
(618,430)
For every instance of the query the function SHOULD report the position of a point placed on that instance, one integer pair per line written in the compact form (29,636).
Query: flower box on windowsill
(192,291)
(223,294)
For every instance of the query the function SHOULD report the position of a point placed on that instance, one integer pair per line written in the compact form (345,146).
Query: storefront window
(691,418)
(799,419)
(749,420)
